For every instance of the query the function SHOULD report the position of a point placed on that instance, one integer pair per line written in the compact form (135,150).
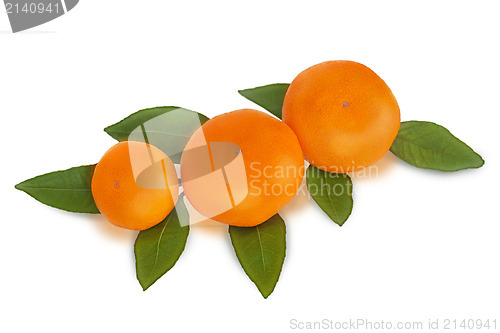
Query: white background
(419,244)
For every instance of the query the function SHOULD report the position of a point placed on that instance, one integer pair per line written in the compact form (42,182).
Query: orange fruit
(345,116)
(241,167)
(135,185)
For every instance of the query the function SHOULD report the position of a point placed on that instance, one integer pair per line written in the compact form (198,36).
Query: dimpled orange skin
(120,200)
(264,142)
(344,115)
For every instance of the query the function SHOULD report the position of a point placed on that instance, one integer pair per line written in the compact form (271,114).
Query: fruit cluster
(241,168)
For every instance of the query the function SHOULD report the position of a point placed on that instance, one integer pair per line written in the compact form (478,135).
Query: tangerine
(135,185)
(344,115)
(242,167)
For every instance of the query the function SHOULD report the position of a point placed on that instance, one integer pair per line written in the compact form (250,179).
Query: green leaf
(430,146)
(270,97)
(67,190)
(261,251)
(157,249)
(167,128)
(332,192)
